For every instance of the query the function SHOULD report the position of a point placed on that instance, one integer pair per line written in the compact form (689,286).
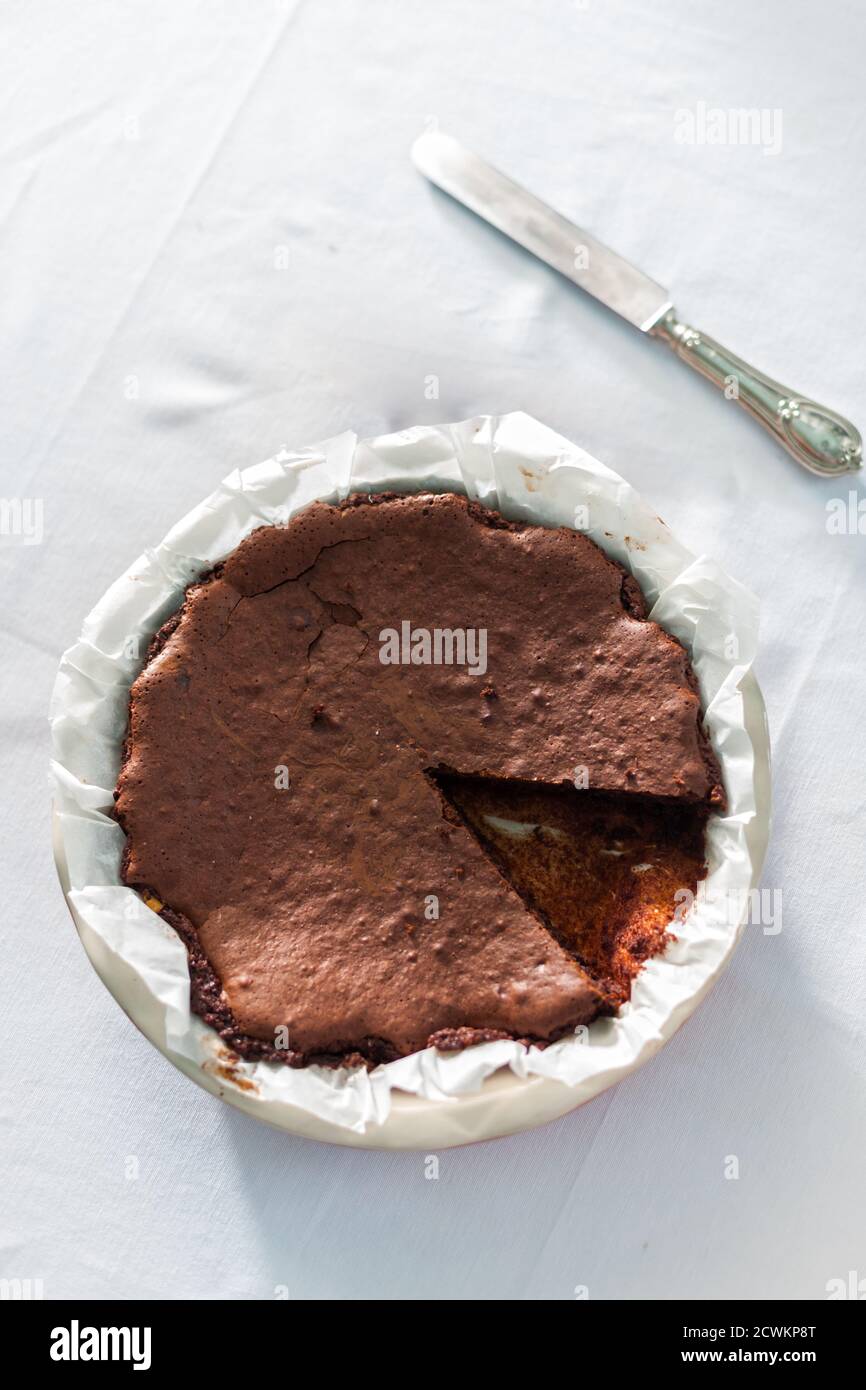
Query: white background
(159,162)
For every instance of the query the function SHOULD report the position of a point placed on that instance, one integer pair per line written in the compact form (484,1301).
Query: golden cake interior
(606,872)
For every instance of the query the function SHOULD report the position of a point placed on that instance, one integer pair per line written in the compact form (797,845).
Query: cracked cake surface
(286,799)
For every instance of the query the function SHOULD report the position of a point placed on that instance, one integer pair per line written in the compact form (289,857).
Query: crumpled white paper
(528,472)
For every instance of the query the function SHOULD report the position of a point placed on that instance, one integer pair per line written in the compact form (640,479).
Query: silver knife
(818,438)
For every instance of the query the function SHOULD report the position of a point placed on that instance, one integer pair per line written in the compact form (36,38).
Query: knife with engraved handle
(820,439)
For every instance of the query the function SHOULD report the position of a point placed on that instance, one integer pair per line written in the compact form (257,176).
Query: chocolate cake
(403,773)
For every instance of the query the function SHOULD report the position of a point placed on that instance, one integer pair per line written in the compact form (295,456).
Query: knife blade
(575,253)
(818,438)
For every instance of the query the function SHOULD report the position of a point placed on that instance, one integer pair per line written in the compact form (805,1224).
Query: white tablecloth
(213,244)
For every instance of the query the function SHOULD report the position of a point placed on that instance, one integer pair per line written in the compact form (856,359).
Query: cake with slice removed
(331,743)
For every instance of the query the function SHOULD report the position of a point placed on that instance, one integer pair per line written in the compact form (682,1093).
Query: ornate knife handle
(818,438)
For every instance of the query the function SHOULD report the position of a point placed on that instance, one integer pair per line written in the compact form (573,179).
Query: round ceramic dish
(526,470)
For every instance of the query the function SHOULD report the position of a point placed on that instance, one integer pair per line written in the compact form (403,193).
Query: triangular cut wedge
(606,872)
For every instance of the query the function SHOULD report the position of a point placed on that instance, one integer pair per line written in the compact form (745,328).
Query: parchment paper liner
(526,470)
